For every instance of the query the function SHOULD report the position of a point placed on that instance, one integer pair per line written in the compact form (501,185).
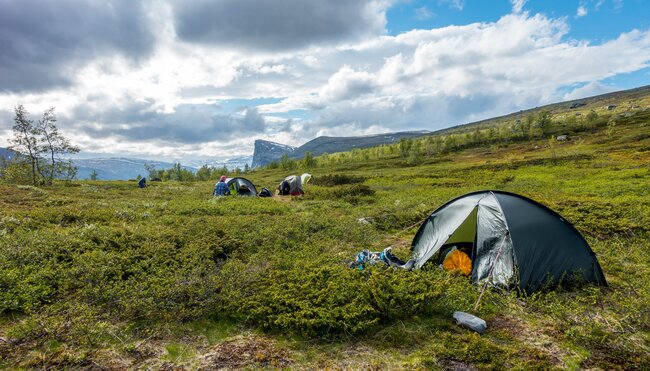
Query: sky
(198,79)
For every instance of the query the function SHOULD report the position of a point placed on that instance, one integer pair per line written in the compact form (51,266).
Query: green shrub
(337,179)
(353,191)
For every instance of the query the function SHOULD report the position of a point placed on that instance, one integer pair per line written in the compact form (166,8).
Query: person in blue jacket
(221,188)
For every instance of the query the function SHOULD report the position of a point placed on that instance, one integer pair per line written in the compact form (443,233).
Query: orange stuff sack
(458,261)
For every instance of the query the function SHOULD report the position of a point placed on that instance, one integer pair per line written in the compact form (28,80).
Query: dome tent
(294,184)
(236,183)
(510,239)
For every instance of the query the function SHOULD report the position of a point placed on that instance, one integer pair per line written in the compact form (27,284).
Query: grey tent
(296,183)
(510,239)
(241,186)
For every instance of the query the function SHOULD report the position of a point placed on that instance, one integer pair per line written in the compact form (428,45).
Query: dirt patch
(614,357)
(542,345)
(243,352)
(507,324)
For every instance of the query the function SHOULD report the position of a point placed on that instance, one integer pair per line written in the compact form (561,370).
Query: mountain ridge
(266,151)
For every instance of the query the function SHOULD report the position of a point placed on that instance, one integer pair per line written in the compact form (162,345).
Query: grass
(106,274)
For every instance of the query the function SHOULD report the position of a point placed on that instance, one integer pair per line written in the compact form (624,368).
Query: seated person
(221,188)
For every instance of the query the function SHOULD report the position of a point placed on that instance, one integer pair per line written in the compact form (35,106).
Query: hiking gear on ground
(142,183)
(510,239)
(265,193)
(386,256)
(457,260)
(470,321)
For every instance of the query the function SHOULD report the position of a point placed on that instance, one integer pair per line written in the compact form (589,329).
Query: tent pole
(487,279)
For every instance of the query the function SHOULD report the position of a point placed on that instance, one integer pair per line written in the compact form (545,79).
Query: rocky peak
(266,152)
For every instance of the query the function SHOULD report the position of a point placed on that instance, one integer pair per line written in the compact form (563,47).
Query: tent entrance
(463,238)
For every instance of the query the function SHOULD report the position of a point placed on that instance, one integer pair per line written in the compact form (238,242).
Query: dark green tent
(510,239)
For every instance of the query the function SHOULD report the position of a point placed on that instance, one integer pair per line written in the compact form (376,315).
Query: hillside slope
(266,152)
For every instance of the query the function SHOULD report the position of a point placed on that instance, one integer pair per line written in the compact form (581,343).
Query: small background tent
(235,183)
(522,241)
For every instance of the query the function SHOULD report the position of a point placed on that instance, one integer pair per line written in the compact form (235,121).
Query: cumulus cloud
(44,43)
(433,79)
(189,123)
(175,98)
(279,24)
(581,12)
(588,90)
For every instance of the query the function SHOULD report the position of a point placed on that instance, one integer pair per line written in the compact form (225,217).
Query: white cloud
(588,90)
(517,5)
(453,4)
(422,79)
(423,13)
(581,12)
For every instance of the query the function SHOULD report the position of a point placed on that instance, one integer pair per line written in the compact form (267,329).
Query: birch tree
(25,140)
(53,145)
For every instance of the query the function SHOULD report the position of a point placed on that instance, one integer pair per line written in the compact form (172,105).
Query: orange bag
(458,261)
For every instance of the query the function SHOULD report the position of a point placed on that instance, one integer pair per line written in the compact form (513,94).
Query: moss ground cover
(103,274)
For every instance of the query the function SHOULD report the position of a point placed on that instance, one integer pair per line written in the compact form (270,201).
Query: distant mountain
(267,152)
(121,168)
(118,168)
(323,145)
(230,163)
(7,154)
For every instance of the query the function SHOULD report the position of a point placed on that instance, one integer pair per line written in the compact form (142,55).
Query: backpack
(265,193)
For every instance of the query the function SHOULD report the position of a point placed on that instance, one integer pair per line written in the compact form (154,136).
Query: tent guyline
(396,234)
